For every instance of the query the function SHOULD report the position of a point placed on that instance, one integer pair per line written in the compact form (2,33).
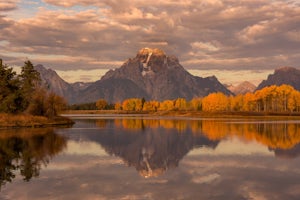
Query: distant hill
(284,75)
(242,88)
(151,74)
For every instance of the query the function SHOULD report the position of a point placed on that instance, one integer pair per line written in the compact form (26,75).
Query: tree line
(282,98)
(24,93)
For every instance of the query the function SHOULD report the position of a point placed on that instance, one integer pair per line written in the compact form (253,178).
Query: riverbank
(23,120)
(183,113)
(192,114)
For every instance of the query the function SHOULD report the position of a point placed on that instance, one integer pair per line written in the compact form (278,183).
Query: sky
(82,39)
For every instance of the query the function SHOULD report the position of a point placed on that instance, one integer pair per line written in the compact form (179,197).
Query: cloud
(234,146)
(81,176)
(216,34)
(8,5)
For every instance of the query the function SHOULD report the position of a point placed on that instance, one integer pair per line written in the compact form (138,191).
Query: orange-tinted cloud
(8,5)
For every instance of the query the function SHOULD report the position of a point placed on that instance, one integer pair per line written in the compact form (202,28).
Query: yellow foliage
(282,98)
(133,104)
(166,105)
(180,104)
(215,102)
(151,106)
(196,104)
(101,104)
(118,106)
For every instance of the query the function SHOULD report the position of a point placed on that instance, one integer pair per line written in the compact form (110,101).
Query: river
(143,157)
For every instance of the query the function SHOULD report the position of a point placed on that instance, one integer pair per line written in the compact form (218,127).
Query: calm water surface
(117,157)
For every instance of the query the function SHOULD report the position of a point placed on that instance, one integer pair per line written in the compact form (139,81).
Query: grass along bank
(24,120)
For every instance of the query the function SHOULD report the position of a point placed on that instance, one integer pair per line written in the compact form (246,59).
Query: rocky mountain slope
(152,75)
(54,83)
(284,75)
(242,88)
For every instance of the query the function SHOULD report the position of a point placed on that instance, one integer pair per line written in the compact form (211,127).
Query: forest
(25,94)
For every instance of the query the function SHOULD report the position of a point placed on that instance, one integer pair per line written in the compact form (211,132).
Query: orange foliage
(282,98)
(133,104)
(215,102)
(166,105)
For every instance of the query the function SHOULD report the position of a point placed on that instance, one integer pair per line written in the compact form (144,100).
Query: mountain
(284,75)
(53,82)
(78,86)
(242,88)
(151,75)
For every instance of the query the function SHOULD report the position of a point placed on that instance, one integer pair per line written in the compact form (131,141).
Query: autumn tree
(166,105)
(37,105)
(133,104)
(276,99)
(54,104)
(196,104)
(101,104)
(151,106)
(249,103)
(118,106)
(44,103)
(180,104)
(215,102)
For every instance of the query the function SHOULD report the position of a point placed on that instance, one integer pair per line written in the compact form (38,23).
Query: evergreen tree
(30,81)
(10,96)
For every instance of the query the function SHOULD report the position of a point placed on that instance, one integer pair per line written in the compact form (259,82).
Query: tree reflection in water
(26,150)
(153,146)
(275,135)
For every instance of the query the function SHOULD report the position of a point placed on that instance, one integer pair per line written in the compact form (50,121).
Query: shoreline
(29,121)
(181,114)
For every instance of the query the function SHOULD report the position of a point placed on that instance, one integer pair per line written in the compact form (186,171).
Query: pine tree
(10,97)
(30,81)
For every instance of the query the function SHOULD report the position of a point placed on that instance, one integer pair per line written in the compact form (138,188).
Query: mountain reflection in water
(26,150)
(153,146)
(147,145)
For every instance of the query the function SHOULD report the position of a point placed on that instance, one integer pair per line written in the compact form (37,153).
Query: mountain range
(153,75)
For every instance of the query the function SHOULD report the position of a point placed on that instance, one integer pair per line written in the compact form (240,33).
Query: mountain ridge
(119,84)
